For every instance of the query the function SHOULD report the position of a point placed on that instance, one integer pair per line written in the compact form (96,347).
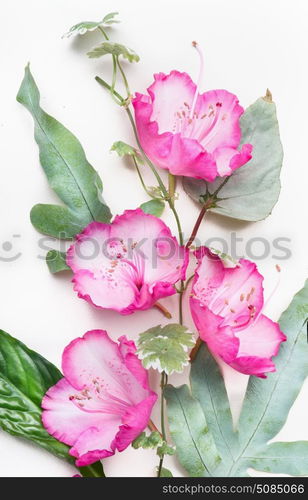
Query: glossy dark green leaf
(67,169)
(25,377)
(56,261)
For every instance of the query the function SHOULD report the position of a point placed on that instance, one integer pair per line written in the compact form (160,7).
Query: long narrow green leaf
(195,446)
(209,388)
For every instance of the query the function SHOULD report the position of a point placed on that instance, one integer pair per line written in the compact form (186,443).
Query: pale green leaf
(195,446)
(283,458)
(123,149)
(209,388)
(153,207)
(115,49)
(266,404)
(253,189)
(85,26)
(165,348)
(69,173)
(147,441)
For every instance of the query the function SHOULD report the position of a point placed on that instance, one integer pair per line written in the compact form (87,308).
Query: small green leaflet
(253,189)
(56,261)
(165,472)
(195,446)
(85,26)
(25,376)
(153,207)
(115,49)
(265,409)
(165,348)
(151,441)
(123,149)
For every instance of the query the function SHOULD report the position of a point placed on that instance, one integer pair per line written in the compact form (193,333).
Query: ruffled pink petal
(61,417)
(101,361)
(103,293)
(239,298)
(209,275)
(169,93)
(262,338)
(127,265)
(218,124)
(253,365)
(134,422)
(221,341)
(229,159)
(154,252)
(95,443)
(172,151)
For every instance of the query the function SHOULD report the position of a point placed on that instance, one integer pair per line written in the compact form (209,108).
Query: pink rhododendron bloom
(103,402)
(188,133)
(226,305)
(128,264)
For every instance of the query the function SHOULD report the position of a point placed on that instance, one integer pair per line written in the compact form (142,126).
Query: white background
(248,47)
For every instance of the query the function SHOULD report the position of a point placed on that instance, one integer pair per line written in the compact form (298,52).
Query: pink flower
(128,264)
(188,133)
(103,402)
(226,305)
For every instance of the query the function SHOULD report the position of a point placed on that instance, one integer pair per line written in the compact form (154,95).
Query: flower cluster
(127,264)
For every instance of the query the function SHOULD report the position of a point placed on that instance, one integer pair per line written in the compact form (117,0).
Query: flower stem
(208,204)
(163,310)
(164,381)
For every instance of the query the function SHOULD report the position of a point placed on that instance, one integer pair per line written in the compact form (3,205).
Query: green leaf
(25,377)
(115,49)
(63,159)
(56,261)
(85,26)
(195,447)
(165,348)
(165,449)
(266,404)
(123,149)
(283,458)
(153,207)
(150,441)
(209,388)
(165,472)
(252,190)
(56,221)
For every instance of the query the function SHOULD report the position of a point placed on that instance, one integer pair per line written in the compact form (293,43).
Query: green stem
(164,380)
(124,77)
